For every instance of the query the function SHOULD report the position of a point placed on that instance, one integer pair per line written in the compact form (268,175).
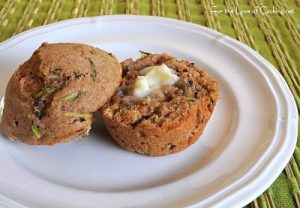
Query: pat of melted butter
(154,79)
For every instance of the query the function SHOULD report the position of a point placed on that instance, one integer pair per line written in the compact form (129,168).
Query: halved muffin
(162,105)
(51,97)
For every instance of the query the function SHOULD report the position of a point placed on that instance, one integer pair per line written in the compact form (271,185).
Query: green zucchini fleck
(191,99)
(171,146)
(48,90)
(54,74)
(73,96)
(125,106)
(1,107)
(93,69)
(35,131)
(144,53)
(86,116)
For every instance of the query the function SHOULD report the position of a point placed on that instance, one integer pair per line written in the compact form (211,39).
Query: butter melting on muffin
(162,105)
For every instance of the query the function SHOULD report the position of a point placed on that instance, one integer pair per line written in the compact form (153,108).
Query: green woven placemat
(275,36)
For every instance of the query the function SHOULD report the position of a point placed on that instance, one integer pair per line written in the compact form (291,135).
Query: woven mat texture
(276,37)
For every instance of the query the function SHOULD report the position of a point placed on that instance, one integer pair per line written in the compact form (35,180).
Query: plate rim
(292,109)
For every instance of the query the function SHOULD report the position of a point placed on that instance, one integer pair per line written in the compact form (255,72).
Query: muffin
(162,105)
(51,97)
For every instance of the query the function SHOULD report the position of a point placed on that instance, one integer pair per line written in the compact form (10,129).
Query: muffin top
(51,96)
(181,85)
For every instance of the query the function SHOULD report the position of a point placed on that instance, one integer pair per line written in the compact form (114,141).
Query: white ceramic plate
(247,143)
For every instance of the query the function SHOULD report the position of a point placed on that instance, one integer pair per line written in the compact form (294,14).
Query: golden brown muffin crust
(168,120)
(50,98)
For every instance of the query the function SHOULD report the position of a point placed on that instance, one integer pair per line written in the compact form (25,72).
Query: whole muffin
(158,121)
(51,97)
